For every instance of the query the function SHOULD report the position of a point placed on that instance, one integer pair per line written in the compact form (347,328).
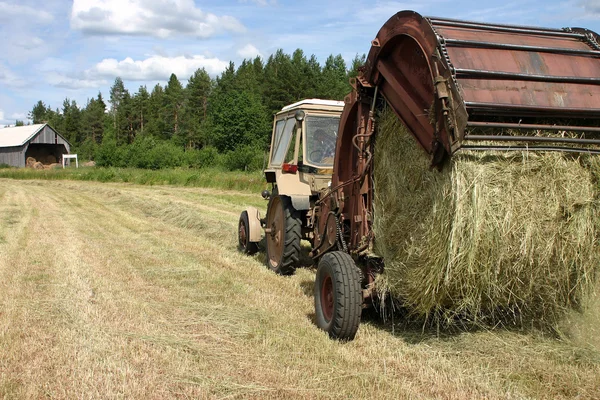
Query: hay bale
(38,165)
(30,161)
(495,237)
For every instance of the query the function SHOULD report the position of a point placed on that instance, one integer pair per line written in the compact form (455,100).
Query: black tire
(338,296)
(283,239)
(244,243)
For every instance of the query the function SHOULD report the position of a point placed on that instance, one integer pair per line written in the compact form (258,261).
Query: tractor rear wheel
(244,243)
(338,295)
(283,236)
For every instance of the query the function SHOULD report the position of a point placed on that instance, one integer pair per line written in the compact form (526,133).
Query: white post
(70,156)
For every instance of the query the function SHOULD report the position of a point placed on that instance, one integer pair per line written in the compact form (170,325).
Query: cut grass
(105,294)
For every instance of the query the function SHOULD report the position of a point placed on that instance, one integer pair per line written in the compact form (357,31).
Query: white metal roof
(18,135)
(317,102)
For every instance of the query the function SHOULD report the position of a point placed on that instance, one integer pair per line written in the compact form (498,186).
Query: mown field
(118,290)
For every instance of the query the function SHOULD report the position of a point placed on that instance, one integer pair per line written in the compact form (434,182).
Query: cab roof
(315,104)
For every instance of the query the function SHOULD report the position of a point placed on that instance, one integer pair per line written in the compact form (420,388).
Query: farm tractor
(442,78)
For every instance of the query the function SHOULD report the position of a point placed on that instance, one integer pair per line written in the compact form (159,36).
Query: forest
(223,122)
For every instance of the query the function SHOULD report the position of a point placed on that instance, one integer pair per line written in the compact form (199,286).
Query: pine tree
(334,83)
(279,81)
(72,122)
(117,111)
(195,109)
(93,119)
(172,104)
(156,123)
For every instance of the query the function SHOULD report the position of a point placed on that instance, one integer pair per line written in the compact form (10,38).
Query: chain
(341,242)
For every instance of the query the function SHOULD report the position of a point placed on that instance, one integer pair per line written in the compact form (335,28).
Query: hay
(493,238)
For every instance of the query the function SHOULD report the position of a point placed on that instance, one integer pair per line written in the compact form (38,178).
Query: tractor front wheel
(283,234)
(244,243)
(338,295)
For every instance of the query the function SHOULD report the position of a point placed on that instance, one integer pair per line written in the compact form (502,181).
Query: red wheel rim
(327,298)
(242,235)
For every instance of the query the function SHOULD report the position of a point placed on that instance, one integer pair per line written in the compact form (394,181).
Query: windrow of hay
(494,238)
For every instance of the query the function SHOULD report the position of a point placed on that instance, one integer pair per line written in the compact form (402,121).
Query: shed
(39,141)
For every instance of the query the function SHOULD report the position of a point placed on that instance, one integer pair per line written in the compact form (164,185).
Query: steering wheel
(316,155)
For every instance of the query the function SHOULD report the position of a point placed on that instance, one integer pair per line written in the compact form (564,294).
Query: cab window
(321,136)
(281,141)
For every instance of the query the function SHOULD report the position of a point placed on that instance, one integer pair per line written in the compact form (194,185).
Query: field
(118,290)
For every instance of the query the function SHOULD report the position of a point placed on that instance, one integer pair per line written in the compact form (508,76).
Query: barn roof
(19,135)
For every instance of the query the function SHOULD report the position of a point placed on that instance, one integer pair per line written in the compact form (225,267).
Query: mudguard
(254,227)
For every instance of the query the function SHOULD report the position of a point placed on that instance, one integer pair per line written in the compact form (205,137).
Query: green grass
(211,178)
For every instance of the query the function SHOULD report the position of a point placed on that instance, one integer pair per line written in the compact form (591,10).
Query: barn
(39,141)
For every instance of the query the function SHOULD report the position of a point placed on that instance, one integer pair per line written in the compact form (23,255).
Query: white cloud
(249,51)
(12,12)
(1,115)
(73,82)
(19,116)
(261,3)
(155,68)
(592,6)
(149,17)
(29,42)
(380,12)
(9,78)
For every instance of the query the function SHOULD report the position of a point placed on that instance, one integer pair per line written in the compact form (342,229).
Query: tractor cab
(303,147)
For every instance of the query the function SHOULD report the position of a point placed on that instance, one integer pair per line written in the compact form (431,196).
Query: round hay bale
(30,161)
(495,237)
(38,165)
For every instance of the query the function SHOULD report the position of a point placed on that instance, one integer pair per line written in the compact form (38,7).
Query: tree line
(224,122)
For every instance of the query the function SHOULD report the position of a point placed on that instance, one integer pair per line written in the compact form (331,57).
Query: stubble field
(114,290)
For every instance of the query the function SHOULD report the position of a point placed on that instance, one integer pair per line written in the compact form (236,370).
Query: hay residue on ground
(494,238)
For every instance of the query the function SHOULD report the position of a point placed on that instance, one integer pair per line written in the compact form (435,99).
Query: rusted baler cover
(444,77)
(459,84)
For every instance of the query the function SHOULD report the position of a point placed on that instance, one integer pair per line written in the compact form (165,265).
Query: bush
(106,154)
(207,157)
(245,158)
(165,155)
(87,150)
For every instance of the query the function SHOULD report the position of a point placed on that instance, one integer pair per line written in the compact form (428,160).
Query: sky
(56,49)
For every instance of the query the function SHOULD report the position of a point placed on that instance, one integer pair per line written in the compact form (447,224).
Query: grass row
(211,178)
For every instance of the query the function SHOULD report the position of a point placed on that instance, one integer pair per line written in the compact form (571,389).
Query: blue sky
(53,49)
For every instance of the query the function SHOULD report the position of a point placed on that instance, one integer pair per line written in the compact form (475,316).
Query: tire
(244,243)
(283,240)
(338,296)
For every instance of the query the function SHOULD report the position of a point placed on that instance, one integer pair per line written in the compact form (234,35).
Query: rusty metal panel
(563,98)
(504,70)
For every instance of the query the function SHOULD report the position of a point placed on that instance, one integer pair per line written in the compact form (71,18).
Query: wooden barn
(39,141)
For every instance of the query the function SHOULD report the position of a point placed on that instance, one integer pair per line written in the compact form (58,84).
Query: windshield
(321,135)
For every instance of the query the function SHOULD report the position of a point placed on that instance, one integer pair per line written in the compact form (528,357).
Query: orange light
(289,168)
